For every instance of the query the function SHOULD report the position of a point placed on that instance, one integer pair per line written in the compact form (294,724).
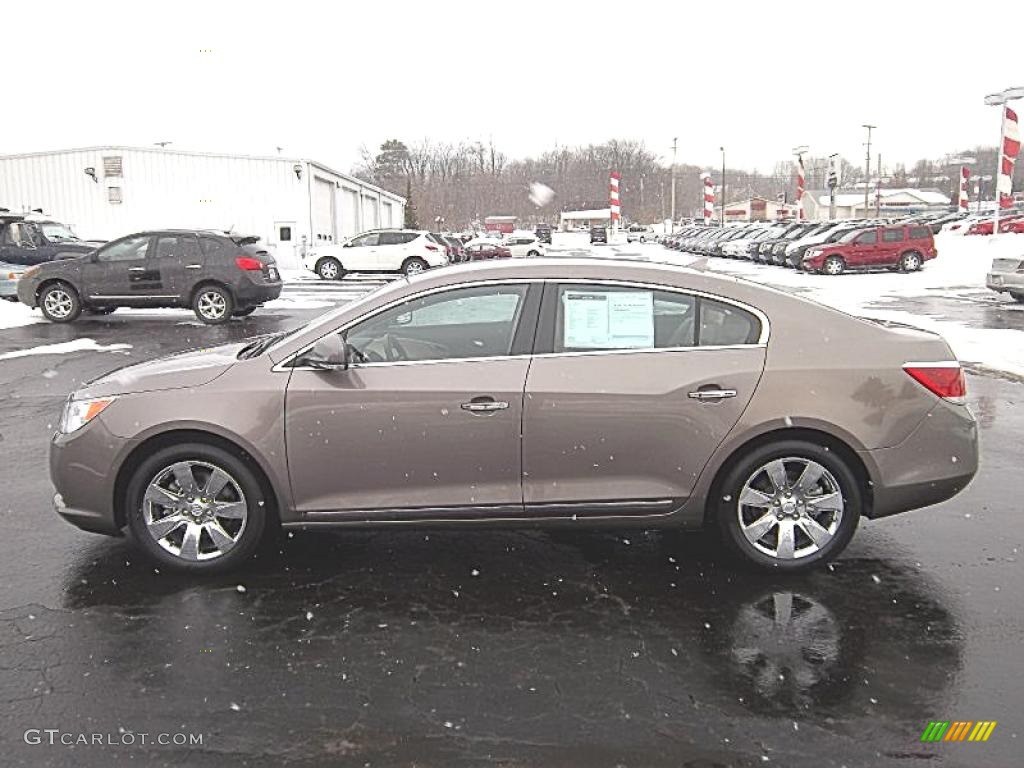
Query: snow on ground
(14,314)
(64,347)
(958,271)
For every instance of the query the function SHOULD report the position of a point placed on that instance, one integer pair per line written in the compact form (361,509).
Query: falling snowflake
(240,588)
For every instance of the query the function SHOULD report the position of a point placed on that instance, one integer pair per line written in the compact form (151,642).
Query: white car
(408,251)
(639,233)
(522,246)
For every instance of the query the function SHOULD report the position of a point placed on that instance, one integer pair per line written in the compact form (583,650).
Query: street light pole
(867,167)
(721,216)
(672,226)
(833,182)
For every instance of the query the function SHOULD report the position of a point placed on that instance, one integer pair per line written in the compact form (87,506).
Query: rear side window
(917,233)
(608,318)
(215,247)
(182,247)
(391,238)
(892,236)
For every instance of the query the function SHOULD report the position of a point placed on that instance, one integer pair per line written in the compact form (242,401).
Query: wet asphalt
(504,648)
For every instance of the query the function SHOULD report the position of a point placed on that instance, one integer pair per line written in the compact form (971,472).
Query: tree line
(463,183)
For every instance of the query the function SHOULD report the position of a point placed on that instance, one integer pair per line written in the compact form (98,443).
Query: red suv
(901,247)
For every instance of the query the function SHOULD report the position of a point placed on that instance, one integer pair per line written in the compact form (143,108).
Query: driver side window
(129,249)
(470,322)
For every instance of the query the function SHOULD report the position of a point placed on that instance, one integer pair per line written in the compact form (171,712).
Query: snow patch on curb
(65,347)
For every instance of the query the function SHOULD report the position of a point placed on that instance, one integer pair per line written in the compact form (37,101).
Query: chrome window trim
(762,341)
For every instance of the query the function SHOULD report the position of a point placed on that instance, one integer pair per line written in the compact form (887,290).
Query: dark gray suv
(218,275)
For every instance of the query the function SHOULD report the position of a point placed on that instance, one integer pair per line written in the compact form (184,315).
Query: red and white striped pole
(709,198)
(800,186)
(613,200)
(965,178)
(1009,149)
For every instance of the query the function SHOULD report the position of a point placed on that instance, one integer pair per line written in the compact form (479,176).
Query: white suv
(382,250)
(521,246)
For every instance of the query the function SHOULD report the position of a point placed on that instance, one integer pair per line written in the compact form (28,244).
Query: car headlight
(78,413)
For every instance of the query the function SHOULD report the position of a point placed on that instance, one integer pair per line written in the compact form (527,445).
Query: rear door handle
(193,266)
(712,394)
(484,405)
(136,269)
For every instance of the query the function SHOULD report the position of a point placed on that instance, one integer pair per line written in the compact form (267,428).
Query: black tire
(244,312)
(329,268)
(728,510)
(1018,297)
(533,254)
(833,265)
(59,302)
(100,311)
(414,265)
(910,262)
(213,304)
(250,533)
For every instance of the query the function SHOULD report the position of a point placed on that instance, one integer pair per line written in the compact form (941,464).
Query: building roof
(848,199)
(165,151)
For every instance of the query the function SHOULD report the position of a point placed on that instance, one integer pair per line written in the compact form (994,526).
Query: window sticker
(608,320)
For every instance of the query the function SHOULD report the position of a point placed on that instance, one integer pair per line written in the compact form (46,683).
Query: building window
(114,195)
(112,167)
(285,234)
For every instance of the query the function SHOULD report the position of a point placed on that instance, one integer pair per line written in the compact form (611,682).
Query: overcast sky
(320,79)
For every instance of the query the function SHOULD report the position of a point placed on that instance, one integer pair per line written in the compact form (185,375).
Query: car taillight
(944,379)
(248,263)
(431,247)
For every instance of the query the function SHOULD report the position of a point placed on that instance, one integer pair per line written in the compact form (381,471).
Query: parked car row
(827,247)
(27,240)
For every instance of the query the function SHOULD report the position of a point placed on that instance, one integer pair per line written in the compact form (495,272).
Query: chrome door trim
(130,296)
(712,394)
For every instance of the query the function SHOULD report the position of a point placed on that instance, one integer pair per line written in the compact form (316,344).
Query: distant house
(502,224)
(596,217)
(890,202)
(756,209)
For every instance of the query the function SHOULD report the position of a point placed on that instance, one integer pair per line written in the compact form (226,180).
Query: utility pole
(867,167)
(878,188)
(674,147)
(833,182)
(721,219)
(662,198)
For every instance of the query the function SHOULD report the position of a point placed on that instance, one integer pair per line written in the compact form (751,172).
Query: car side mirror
(328,354)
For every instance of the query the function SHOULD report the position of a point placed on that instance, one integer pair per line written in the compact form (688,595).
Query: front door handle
(484,405)
(712,394)
(136,269)
(193,266)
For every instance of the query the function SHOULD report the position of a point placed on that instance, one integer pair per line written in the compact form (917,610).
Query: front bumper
(83,470)
(1005,281)
(26,288)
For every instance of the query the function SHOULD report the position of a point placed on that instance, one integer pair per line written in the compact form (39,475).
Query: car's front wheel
(196,508)
(834,265)
(213,304)
(533,254)
(59,303)
(789,505)
(329,269)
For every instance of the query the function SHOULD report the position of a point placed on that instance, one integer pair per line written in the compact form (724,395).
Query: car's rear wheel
(834,265)
(910,262)
(59,303)
(329,269)
(195,507)
(1018,297)
(414,266)
(789,505)
(533,254)
(213,304)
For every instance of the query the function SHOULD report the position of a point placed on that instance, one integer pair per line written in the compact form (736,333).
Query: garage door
(348,213)
(323,211)
(388,217)
(370,220)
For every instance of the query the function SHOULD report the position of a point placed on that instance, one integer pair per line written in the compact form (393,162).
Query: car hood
(185,370)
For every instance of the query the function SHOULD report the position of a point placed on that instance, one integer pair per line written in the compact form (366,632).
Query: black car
(28,241)
(543,233)
(598,235)
(217,274)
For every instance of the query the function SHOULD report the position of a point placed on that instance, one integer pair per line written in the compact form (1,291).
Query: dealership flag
(965,177)
(800,187)
(709,198)
(613,197)
(1009,152)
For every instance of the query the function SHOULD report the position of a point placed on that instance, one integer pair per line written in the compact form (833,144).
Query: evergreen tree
(410,207)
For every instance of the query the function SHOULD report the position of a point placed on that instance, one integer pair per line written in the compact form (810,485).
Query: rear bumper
(1005,281)
(936,462)
(251,292)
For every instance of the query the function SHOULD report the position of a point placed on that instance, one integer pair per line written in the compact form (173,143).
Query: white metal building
(598,217)
(888,202)
(106,192)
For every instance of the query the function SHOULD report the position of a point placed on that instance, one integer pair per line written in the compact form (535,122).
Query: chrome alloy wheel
(195,510)
(790,508)
(414,268)
(212,305)
(59,303)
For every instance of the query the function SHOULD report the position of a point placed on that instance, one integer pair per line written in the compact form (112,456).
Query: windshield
(57,233)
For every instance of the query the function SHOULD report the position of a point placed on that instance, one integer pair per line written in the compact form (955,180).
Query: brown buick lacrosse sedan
(535,393)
